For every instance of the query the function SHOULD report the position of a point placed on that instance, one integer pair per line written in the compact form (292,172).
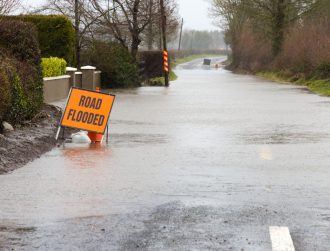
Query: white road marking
(281,239)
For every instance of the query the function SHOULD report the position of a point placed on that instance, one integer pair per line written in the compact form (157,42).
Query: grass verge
(319,86)
(161,80)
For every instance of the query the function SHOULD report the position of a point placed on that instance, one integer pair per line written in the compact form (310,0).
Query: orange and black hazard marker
(166,65)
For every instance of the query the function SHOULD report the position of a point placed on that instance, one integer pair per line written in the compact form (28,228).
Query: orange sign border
(66,106)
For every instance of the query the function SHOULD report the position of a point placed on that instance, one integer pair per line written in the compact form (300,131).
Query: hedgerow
(5,89)
(56,35)
(21,71)
(116,63)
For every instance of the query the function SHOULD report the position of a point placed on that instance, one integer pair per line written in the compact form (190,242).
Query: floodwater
(208,163)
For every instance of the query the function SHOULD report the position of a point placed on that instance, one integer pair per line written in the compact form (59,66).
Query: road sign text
(87,110)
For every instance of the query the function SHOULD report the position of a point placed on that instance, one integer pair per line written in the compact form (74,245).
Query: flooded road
(208,163)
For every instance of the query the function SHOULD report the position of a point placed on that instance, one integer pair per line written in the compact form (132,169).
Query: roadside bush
(252,53)
(153,63)
(19,104)
(20,58)
(53,67)
(117,65)
(323,70)
(56,35)
(5,90)
(20,40)
(13,101)
(306,49)
(32,86)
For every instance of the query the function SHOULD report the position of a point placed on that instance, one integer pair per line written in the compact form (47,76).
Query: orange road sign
(87,110)
(165,57)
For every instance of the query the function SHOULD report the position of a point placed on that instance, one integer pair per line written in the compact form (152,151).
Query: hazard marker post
(87,110)
(166,65)
(164,39)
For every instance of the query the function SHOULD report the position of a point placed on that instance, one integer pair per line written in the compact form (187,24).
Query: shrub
(13,101)
(20,57)
(153,63)
(56,35)
(33,89)
(52,67)
(323,70)
(5,91)
(20,40)
(253,53)
(306,48)
(117,65)
(19,104)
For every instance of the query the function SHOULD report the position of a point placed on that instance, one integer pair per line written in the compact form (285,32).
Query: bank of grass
(161,80)
(319,86)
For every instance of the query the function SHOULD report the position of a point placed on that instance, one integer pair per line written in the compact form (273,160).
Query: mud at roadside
(29,140)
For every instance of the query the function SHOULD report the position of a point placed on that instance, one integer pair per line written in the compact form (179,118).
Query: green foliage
(19,104)
(5,96)
(20,57)
(32,83)
(20,40)
(56,35)
(53,67)
(323,70)
(173,76)
(160,81)
(115,62)
(319,86)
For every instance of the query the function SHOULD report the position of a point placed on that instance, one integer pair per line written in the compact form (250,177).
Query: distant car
(207,61)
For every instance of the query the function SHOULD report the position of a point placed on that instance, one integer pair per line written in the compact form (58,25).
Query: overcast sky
(194,12)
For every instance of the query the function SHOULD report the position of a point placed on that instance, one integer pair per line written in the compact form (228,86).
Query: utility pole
(163,18)
(76,28)
(180,40)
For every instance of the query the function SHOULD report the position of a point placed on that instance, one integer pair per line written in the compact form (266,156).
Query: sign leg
(63,133)
(107,134)
(58,132)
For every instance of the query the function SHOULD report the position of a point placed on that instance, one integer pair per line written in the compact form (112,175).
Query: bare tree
(152,35)
(126,20)
(272,17)
(79,12)
(6,6)
(231,16)
(268,17)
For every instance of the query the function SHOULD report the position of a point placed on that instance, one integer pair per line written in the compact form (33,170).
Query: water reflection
(84,155)
(265,153)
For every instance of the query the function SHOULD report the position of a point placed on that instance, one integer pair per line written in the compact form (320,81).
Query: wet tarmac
(207,164)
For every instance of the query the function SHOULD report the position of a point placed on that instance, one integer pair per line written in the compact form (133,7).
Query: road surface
(209,163)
